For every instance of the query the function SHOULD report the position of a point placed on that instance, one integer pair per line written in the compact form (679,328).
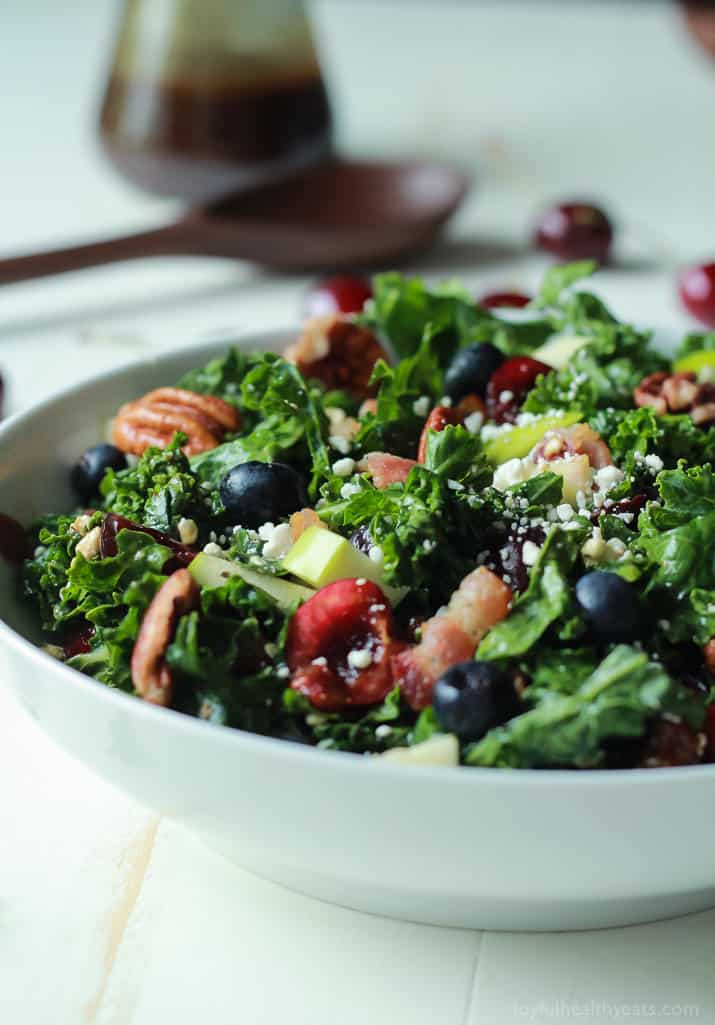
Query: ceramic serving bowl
(487,848)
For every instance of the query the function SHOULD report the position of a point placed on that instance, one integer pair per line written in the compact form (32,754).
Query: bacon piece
(480,602)
(388,469)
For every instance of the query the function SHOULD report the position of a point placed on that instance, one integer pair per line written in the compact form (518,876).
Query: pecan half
(677,393)
(337,352)
(150,674)
(155,418)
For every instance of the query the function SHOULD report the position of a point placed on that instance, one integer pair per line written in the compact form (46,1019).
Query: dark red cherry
(697,292)
(508,300)
(509,384)
(343,293)
(574,231)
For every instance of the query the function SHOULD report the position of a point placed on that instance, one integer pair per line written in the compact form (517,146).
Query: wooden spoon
(335,215)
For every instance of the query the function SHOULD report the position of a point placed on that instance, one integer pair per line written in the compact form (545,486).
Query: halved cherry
(509,385)
(339,646)
(343,293)
(575,231)
(504,300)
(697,292)
(447,416)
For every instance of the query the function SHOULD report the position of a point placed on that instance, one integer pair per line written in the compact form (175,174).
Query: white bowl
(487,848)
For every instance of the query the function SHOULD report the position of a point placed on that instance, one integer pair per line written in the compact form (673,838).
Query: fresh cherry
(697,292)
(509,384)
(509,300)
(340,294)
(574,231)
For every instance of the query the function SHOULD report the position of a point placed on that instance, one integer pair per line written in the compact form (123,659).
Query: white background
(111,917)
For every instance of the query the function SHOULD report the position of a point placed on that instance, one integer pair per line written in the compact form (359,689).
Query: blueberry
(256,493)
(610,605)
(87,474)
(472,697)
(470,370)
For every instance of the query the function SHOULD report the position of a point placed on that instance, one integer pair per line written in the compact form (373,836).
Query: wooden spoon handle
(159,242)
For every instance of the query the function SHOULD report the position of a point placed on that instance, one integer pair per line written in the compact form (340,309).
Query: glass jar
(207,97)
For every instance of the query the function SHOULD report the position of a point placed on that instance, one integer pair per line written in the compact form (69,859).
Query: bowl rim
(291,752)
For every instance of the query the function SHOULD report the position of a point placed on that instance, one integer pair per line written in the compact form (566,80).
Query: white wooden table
(109,916)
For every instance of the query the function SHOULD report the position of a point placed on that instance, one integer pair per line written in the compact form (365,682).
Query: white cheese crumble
(383,730)
(278,539)
(188,531)
(514,471)
(530,553)
(376,554)
(653,462)
(90,543)
(565,512)
(341,445)
(348,490)
(596,549)
(213,549)
(506,396)
(344,467)
(607,478)
(359,658)
(420,407)
(445,401)
(474,422)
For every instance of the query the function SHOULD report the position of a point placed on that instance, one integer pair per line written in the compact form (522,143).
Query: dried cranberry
(671,743)
(632,505)
(326,641)
(574,231)
(343,293)
(112,524)
(14,546)
(507,556)
(697,292)
(508,300)
(77,641)
(509,384)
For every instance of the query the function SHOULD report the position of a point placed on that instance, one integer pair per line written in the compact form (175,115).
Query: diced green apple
(701,363)
(212,571)
(321,557)
(519,441)
(440,749)
(558,351)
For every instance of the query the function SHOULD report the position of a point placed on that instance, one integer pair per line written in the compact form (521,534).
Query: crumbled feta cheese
(213,549)
(348,490)
(278,539)
(188,531)
(344,467)
(653,462)
(506,396)
(376,554)
(320,661)
(420,407)
(514,471)
(596,549)
(607,478)
(429,545)
(335,415)
(474,422)
(383,730)
(81,524)
(89,546)
(565,512)
(359,658)
(445,401)
(282,672)
(530,553)
(341,445)
(454,485)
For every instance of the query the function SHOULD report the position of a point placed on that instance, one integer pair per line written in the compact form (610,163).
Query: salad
(429,532)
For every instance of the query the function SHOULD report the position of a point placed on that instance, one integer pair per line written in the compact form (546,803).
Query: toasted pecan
(151,677)
(678,393)
(158,415)
(337,352)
